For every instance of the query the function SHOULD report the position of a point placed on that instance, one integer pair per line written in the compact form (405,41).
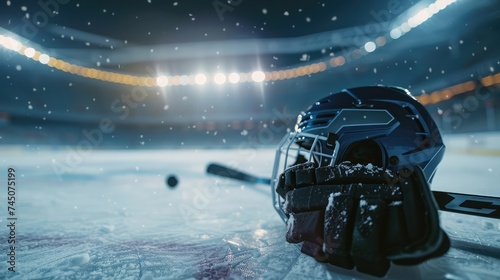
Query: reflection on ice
(129,223)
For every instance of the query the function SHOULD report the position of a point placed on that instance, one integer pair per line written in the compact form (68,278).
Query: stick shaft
(476,205)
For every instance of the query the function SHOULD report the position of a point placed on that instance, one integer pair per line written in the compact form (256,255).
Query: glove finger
(368,236)
(288,179)
(338,230)
(305,226)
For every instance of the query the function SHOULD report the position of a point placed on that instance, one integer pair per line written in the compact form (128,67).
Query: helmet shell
(384,123)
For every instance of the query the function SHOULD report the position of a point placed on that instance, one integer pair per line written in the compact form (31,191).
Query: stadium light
(11,44)
(200,79)
(29,52)
(162,81)
(234,78)
(258,76)
(44,59)
(370,46)
(219,78)
(183,80)
(395,33)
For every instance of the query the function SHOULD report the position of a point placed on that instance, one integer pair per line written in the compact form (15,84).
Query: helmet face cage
(289,153)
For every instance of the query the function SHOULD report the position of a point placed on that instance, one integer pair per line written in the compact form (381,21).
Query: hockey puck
(172,181)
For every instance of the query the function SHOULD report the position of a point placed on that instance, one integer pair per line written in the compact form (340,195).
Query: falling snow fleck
(286,13)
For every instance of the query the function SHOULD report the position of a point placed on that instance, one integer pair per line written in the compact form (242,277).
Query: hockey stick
(476,205)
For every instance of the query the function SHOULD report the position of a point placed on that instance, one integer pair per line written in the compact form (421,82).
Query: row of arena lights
(222,78)
(447,93)
(420,17)
(161,81)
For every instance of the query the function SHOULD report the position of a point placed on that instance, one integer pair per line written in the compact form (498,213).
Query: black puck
(172,181)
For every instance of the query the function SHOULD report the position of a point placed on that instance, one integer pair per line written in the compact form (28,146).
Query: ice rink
(103,101)
(107,214)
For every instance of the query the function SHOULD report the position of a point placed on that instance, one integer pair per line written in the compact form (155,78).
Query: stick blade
(484,206)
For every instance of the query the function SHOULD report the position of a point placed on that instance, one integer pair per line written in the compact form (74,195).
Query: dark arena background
(102,101)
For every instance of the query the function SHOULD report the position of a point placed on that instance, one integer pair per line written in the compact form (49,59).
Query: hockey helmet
(381,126)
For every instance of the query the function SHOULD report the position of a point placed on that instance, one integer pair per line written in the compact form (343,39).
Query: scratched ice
(105,218)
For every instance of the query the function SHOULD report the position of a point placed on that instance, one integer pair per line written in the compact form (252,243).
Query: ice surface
(110,215)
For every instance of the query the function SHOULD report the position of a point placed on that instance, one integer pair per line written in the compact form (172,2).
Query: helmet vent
(319,120)
(323,119)
(324,101)
(417,125)
(326,116)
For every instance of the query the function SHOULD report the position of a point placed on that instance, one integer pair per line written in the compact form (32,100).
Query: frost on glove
(361,216)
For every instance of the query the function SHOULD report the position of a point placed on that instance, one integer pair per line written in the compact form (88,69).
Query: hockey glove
(361,216)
